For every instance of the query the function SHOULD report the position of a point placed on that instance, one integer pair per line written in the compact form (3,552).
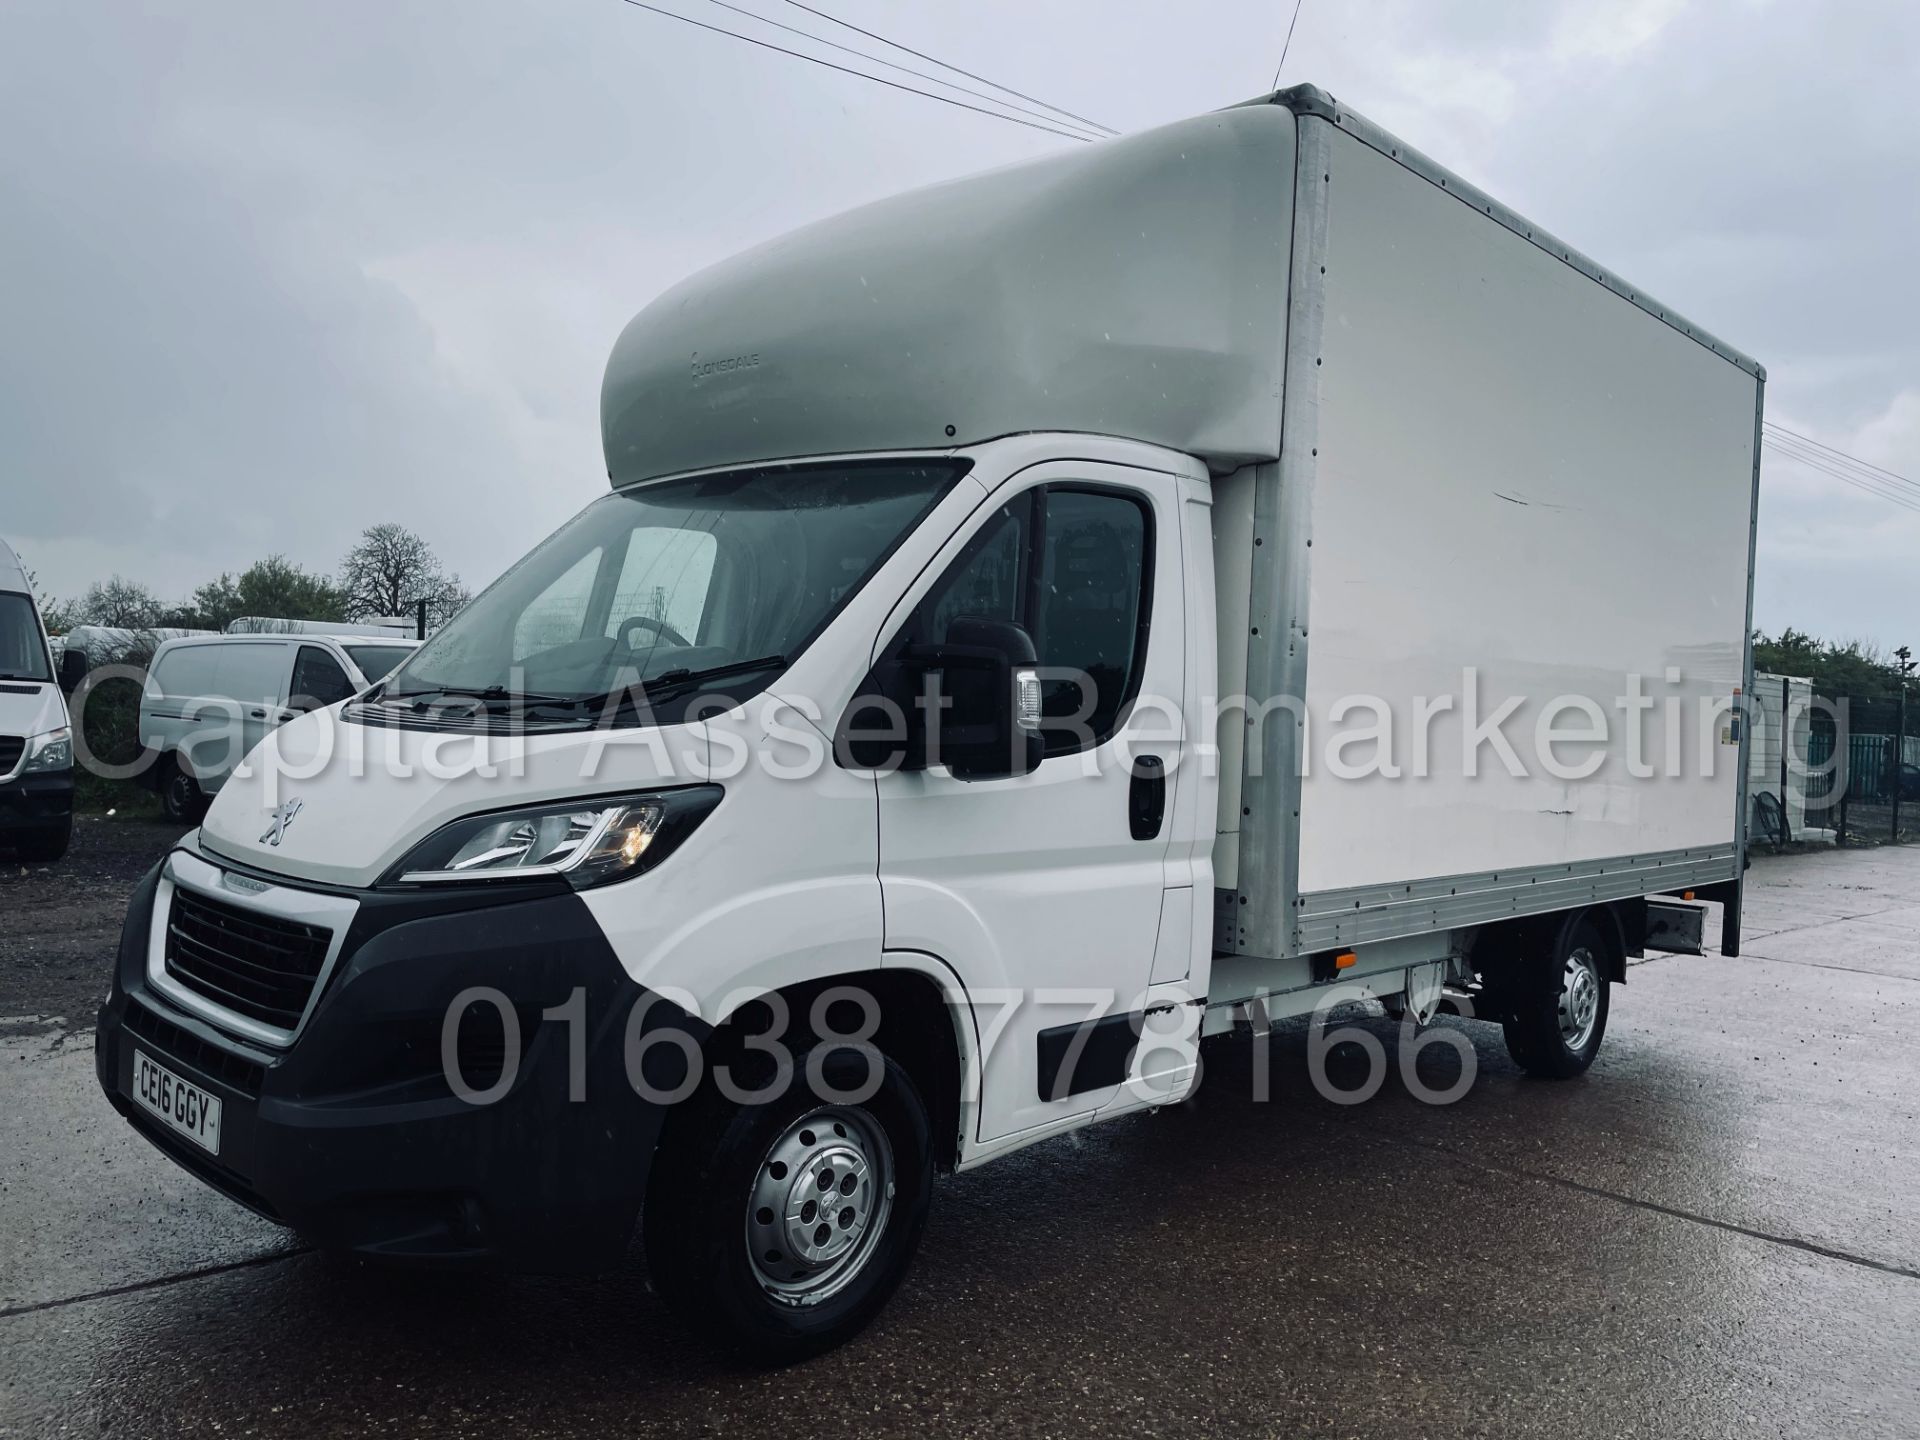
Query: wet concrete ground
(1716,1232)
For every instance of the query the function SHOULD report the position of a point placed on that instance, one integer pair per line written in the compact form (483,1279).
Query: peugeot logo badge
(282,817)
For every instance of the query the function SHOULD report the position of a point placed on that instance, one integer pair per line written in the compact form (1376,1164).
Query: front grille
(254,964)
(11,748)
(190,1050)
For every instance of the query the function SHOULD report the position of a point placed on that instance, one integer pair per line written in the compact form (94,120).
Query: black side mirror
(73,669)
(983,717)
(971,704)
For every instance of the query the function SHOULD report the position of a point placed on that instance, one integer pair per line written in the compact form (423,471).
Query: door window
(1073,566)
(987,582)
(318,680)
(251,674)
(189,670)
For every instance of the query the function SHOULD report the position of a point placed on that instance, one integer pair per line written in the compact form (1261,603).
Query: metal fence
(1860,775)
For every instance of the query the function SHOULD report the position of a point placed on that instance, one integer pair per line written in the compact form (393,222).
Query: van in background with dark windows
(209,700)
(36,740)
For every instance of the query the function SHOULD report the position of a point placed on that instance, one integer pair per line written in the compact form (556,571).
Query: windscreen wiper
(676,679)
(487,695)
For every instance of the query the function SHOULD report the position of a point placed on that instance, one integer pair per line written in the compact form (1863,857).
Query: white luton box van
(1036,622)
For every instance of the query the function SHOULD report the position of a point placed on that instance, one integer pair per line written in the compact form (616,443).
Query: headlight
(588,842)
(51,751)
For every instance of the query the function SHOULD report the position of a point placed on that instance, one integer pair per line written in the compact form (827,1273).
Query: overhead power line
(1288,45)
(891,65)
(1843,466)
(936,60)
(1891,484)
(1815,459)
(1853,461)
(849,70)
(1865,489)
(1814,462)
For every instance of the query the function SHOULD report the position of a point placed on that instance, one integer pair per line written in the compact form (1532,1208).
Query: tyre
(180,796)
(783,1228)
(46,846)
(1556,1006)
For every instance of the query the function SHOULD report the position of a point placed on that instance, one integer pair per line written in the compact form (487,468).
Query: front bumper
(36,802)
(353,1134)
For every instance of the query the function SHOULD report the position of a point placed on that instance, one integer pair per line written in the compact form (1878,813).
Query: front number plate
(187,1108)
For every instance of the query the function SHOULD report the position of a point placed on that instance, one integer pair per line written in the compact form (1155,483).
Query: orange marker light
(1344,959)
(1686,894)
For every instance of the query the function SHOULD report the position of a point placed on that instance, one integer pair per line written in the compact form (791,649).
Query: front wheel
(1557,1008)
(784,1227)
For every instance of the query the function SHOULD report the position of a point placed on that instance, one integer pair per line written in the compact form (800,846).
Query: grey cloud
(276,271)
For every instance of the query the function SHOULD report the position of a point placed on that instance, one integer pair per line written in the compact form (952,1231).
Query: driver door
(1044,891)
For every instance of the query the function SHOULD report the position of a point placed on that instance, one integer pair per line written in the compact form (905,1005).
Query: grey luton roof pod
(1136,287)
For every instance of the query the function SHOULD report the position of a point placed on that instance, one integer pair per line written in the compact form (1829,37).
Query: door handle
(257,714)
(1147,797)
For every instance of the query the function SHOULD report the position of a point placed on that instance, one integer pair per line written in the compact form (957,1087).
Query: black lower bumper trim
(37,802)
(355,1136)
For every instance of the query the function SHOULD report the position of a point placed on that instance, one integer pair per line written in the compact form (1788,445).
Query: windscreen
(376,662)
(23,649)
(678,580)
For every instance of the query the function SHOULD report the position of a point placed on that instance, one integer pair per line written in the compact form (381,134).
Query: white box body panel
(1509,486)
(1523,475)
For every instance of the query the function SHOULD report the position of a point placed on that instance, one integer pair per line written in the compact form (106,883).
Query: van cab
(209,700)
(36,740)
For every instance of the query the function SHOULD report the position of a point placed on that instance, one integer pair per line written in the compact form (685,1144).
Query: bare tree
(391,569)
(126,604)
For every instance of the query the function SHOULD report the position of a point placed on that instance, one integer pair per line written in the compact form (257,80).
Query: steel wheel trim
(180,790)
(1579,1004)
(819,1204)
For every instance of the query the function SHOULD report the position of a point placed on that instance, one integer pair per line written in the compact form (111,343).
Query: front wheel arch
(925,1029)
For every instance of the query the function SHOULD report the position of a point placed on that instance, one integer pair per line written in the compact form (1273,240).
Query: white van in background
(387,627)
(209,700)
(36,742)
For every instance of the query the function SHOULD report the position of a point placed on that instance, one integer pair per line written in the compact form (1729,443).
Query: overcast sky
(271,272)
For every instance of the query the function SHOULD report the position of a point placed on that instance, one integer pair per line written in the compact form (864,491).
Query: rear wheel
(1557,1005)
(180,795)
(784,1227)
